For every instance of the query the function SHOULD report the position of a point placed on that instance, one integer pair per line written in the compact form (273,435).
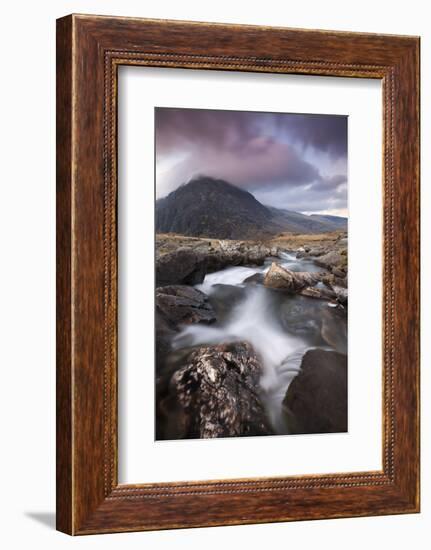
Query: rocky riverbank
(187,260)
(209,381)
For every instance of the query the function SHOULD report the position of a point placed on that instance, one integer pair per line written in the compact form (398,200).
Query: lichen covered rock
(292,281)
(216,394)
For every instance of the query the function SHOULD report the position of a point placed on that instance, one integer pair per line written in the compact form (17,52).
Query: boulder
(256,278)
(165,332)
(330,280)
(320,293)
(341,294)
(334,328)
(180,304)
(224,297)
(311,292)
(334,261)
(177,305)
(311,252)
(292,281)
(216,394)
(302,252)
(239,253)
(183,266)
(318,251)
(339,272)
(329,260)
(316,399)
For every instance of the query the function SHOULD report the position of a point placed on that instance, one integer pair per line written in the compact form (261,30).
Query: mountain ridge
(210,207)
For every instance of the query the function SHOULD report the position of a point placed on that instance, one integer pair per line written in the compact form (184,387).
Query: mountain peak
(211,207)
(209,183)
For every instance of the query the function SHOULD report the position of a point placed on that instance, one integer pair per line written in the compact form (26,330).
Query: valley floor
(336,240)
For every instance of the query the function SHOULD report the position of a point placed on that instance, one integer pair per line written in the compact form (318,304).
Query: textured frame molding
(89,498)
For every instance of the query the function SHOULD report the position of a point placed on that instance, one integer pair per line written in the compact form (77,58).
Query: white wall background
(27,289)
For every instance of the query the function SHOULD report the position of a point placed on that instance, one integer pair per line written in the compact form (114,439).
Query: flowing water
(280,327)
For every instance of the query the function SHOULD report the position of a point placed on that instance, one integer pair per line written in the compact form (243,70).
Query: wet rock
(341,294)
(329,260)
(298,315)
(256,254)
(233,253)
(165,331)
(180,304)
(334,328)
(301,252)
(321,293)
(240,253)
(316,400)
(311,252)
(311,292)
(216,394)
(257,278)
(319,251)
(224,297)
(177,305)
(339,272)
(183,266)
(291,281)
(330,280)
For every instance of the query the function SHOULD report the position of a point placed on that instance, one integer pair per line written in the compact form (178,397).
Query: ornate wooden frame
(89,51)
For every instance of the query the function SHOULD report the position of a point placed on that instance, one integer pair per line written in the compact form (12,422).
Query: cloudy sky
(292,161)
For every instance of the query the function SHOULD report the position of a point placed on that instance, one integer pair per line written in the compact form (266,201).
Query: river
(280,327)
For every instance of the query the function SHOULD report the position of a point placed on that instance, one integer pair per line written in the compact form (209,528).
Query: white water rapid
(280,328)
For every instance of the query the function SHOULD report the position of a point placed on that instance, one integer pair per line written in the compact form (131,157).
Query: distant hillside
(338,221)
(207,207)
(299,223)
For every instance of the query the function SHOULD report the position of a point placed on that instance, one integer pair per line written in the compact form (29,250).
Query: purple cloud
(265,153)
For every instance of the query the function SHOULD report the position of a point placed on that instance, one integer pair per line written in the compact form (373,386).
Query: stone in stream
(311,292)
(177,305)
(334,328)
(300,316)
(216,394)
(339,272)
(181,304)
(306,252)
(232,253)
(224,297)
(341,294)
(190,264)
(331,260)
(165,332)
(292,281)
(319,293)
(256,278)
(316,399)
(331,280)
(183,266)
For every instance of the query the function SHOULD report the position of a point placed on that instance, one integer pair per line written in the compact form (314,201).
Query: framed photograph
(237,274)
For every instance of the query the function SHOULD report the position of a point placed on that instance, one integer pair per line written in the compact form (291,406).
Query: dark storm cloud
(324,133)
(185,127)
(271,155)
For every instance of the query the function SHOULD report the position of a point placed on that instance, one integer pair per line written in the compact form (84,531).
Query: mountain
(208,207)
(299,223)
(338,221)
